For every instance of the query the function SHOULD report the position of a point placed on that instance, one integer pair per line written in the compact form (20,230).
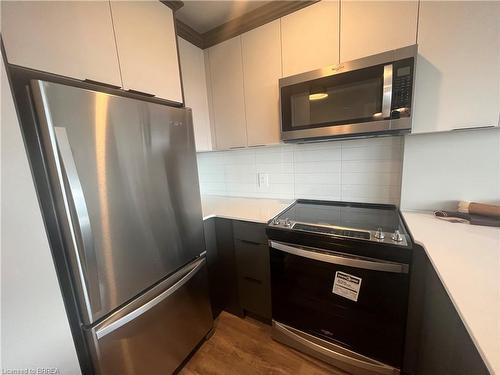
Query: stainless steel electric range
(339,279)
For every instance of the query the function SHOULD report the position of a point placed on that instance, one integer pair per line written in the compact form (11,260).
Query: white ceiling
(205,15)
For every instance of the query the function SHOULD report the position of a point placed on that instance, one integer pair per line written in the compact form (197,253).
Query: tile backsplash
(362,170)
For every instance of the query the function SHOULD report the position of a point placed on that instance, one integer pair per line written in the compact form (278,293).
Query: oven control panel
(378,235)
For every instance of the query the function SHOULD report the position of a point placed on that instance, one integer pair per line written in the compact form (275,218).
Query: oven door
(355,306)
(365,96)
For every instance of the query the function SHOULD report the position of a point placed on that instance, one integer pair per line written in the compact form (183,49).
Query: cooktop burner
(368,222)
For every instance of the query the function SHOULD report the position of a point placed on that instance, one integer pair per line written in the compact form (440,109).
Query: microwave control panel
(402,87)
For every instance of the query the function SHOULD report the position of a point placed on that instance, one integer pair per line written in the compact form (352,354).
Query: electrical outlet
(263,180)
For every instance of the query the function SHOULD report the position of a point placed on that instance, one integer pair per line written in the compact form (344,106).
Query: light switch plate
(263,180)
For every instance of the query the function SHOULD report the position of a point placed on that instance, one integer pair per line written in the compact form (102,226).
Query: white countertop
(467,260)
(258,210)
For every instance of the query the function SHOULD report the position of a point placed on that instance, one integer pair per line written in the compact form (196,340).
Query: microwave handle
(387,92)
(374,265)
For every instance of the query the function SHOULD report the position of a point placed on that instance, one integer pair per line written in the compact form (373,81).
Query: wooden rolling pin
(483,209)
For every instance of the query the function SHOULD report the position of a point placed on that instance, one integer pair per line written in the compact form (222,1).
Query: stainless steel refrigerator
(124,178)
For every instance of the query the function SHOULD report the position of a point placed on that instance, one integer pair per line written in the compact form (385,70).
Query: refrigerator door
(156,332)
(124,175)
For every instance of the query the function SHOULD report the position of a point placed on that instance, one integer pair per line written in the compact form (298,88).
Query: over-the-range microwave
(364,97)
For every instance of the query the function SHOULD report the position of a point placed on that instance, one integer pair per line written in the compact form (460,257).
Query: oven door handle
(313,253)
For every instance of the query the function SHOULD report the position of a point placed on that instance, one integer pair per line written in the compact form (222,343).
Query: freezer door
(124,176)
(156,332)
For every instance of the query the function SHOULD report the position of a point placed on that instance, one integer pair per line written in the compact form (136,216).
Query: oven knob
(397,236)
(288,223)
(379,235)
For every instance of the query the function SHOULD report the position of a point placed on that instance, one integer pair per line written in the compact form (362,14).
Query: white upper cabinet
(195,92)
(70,38)
(226,76)
(458,67)
(261,49)
(310,38)
(147,48)
(371,27)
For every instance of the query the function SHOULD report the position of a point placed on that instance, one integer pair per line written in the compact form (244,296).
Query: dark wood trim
(175,5)
(251,20)
(189,34)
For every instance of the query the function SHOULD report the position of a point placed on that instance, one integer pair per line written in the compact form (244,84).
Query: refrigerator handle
(185,276)
(84,247)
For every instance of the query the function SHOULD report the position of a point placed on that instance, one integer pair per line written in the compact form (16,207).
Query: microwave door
(357,98)
(353,97)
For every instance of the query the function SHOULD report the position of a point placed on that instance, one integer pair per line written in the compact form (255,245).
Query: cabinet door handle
(251,279)
(473,128)
(99,83)
(132,91)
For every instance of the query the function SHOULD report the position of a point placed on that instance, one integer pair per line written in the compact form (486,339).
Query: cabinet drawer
(252,260)
(250,232)
(255,296)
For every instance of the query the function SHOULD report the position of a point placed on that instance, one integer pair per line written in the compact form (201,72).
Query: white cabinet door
(70,38)
(147,48)
(458,66)
(195,92)
(261,49)
(370,27)
(226,73)
(310,38)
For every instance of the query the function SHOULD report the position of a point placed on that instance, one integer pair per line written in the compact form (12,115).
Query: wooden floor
(244,346)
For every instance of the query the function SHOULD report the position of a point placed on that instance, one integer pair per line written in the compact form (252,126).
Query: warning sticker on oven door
(346,285)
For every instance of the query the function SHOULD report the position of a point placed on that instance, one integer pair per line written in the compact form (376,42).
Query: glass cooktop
(372,222)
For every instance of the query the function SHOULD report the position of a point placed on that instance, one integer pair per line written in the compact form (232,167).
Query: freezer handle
(191,271)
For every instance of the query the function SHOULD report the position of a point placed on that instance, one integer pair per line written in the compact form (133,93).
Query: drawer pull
(251,242)
(251,279)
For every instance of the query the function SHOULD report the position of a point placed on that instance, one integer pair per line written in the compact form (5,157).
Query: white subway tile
(387,166)
(281,178)
(244,173)
(371,178)
(317,155)
(213,188)
(371,153)
(370,192)
(274,168)
(212,176)
(317,178)
(318,167)
(317,189)
(239,157)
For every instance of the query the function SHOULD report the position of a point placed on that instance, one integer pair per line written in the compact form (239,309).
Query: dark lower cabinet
(252,262)
(437,341)
(222,269)
(238,267)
